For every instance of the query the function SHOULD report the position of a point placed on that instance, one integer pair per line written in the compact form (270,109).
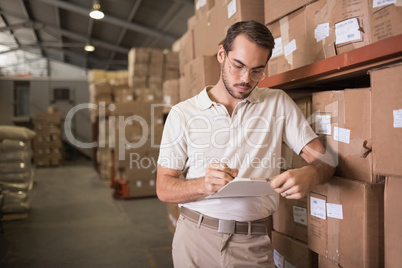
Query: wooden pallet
(15,216)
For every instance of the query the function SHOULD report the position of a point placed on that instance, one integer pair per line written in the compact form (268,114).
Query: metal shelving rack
(352,64)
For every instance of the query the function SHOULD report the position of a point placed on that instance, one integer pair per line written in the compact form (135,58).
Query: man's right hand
(218,175)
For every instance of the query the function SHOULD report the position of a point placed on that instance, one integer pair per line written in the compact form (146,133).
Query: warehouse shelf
(348,65)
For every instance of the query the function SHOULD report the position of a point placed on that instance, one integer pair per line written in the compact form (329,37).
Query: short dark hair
(256,32)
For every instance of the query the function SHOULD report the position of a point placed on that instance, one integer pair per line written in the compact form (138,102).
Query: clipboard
(244,187)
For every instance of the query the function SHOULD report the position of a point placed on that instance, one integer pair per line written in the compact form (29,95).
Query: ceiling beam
(165,22)
(72,35)
(111,20)
(58,23)
(124,30)
(28,17)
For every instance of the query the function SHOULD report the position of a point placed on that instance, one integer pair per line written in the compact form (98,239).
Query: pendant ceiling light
(96,13)
(89,48)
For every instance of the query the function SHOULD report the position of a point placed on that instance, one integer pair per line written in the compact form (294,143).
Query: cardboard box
(184,93)
(100,88)
(343,122)
(171,92)
(47,118)
(324,262)
(211,29)
(186,52)
(321,29)
(291,40)
(173,213)
(386,20)
(393,222)
(352,25)
(291,159)
(275,10)
(137,125)
(346,221)
(290,218)
(387,120)
(42,160)
(201,72)
(202,7)
(292,253)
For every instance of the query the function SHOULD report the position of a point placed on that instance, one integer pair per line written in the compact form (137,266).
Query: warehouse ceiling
(59,29)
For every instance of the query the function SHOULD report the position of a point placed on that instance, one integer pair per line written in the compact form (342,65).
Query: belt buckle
(226,226)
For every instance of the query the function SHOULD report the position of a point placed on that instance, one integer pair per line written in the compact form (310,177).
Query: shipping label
(334,211)
(323,124)
(342,134)
(278,259)
(232,9)
(317,208)
(398,118)
(321,32)
(347,31)
(380,3)
(300,215)
(277,51)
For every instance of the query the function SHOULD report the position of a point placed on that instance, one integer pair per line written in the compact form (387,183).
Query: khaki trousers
(201,246)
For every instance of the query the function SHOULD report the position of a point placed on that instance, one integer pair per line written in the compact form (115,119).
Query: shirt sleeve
(173,149)
(298,132)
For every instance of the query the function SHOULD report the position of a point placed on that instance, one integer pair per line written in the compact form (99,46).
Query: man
(234,129)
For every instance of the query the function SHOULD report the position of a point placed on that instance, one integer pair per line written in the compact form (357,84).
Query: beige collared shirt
(199,131)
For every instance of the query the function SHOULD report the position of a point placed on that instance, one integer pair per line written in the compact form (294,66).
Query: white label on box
(334,211)
(347,30)
(321,32)
(277,51)
(278,259)
(200,4)
(317,208)
(232,8)
(289,265)
(290,47)
(398,118)
(300,215)
(167,99)
(342,134)
(323,124)
(380,3)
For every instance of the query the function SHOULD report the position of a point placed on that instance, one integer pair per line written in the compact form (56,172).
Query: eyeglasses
(236,70)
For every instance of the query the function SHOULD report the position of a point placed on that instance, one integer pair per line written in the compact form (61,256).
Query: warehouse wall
(41,99)
(6,102)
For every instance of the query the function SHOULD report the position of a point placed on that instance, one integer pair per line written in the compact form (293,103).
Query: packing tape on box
(333,224)
(284,26)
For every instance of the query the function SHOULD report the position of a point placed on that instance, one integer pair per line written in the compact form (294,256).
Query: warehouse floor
(75,222)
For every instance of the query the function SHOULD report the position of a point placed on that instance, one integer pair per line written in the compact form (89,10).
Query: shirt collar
(205,102)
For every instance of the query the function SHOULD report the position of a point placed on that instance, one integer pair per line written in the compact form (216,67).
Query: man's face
(244,55)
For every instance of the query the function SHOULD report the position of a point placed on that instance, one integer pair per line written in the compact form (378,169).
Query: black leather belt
(258,227)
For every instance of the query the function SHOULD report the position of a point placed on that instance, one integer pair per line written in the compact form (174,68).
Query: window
(61,94)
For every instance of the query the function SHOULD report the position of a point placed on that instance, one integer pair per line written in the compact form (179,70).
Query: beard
(231,91)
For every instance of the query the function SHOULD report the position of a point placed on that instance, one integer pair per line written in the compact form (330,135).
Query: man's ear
(221,54)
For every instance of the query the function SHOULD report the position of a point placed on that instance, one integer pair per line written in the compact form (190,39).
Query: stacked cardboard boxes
(138,131)
(305,32)
(308,31)
(48,144)
(149,68)
(387,149)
